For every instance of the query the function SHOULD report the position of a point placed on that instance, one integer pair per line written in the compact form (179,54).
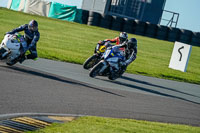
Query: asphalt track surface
(46,86)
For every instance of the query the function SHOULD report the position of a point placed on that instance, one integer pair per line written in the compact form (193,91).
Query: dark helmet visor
(33,28)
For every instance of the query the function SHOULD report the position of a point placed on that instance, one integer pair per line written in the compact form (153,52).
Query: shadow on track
(162,87)
(57,78)
(148,90)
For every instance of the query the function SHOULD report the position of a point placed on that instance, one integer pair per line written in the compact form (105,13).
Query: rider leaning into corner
(128,46)
(31,35)
(130,52)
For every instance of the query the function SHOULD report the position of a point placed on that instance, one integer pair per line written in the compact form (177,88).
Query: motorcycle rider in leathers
(130,52)
(31,35)
(123,37)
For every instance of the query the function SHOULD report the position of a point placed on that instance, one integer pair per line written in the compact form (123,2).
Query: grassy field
(73,42)
(112,125)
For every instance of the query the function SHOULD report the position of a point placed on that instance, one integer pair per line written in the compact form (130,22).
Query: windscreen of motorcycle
(11,43)
(107,53)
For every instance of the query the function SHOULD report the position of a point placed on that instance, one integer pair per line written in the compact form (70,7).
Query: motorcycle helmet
(132,43)
(33,26)
(123,36)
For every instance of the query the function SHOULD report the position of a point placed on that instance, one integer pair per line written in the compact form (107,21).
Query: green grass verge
(73,42)
(112,125)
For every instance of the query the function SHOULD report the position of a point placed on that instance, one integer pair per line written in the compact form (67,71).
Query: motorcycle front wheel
(90,62)
(95,70)
(11,61)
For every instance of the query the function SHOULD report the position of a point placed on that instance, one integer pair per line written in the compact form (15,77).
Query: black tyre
(113,76)
(90,62)
(140,27)
(185,36)
(106,21)
(11,61)
(95,70)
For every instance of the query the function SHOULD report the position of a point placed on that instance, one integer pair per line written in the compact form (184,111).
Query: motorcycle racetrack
(46,86)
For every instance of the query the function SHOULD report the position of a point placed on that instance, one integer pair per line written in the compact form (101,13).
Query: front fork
(3,53)
(105,65)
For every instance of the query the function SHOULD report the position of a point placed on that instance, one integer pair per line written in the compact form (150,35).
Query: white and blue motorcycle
(11,47)
(110,64)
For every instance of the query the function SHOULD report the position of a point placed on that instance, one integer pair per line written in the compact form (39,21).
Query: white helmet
(123,36)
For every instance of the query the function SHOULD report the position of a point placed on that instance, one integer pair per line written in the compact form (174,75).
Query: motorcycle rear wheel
(95,70)
(113,77)
(116,75)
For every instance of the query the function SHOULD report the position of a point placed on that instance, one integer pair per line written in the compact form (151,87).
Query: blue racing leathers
(130,54)
(31,38)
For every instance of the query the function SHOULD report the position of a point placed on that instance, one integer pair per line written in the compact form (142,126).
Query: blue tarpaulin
(15,5)
(64,12)
(55,10)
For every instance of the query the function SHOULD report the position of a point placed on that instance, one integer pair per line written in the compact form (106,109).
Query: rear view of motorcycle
(110,65)
(10,48)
